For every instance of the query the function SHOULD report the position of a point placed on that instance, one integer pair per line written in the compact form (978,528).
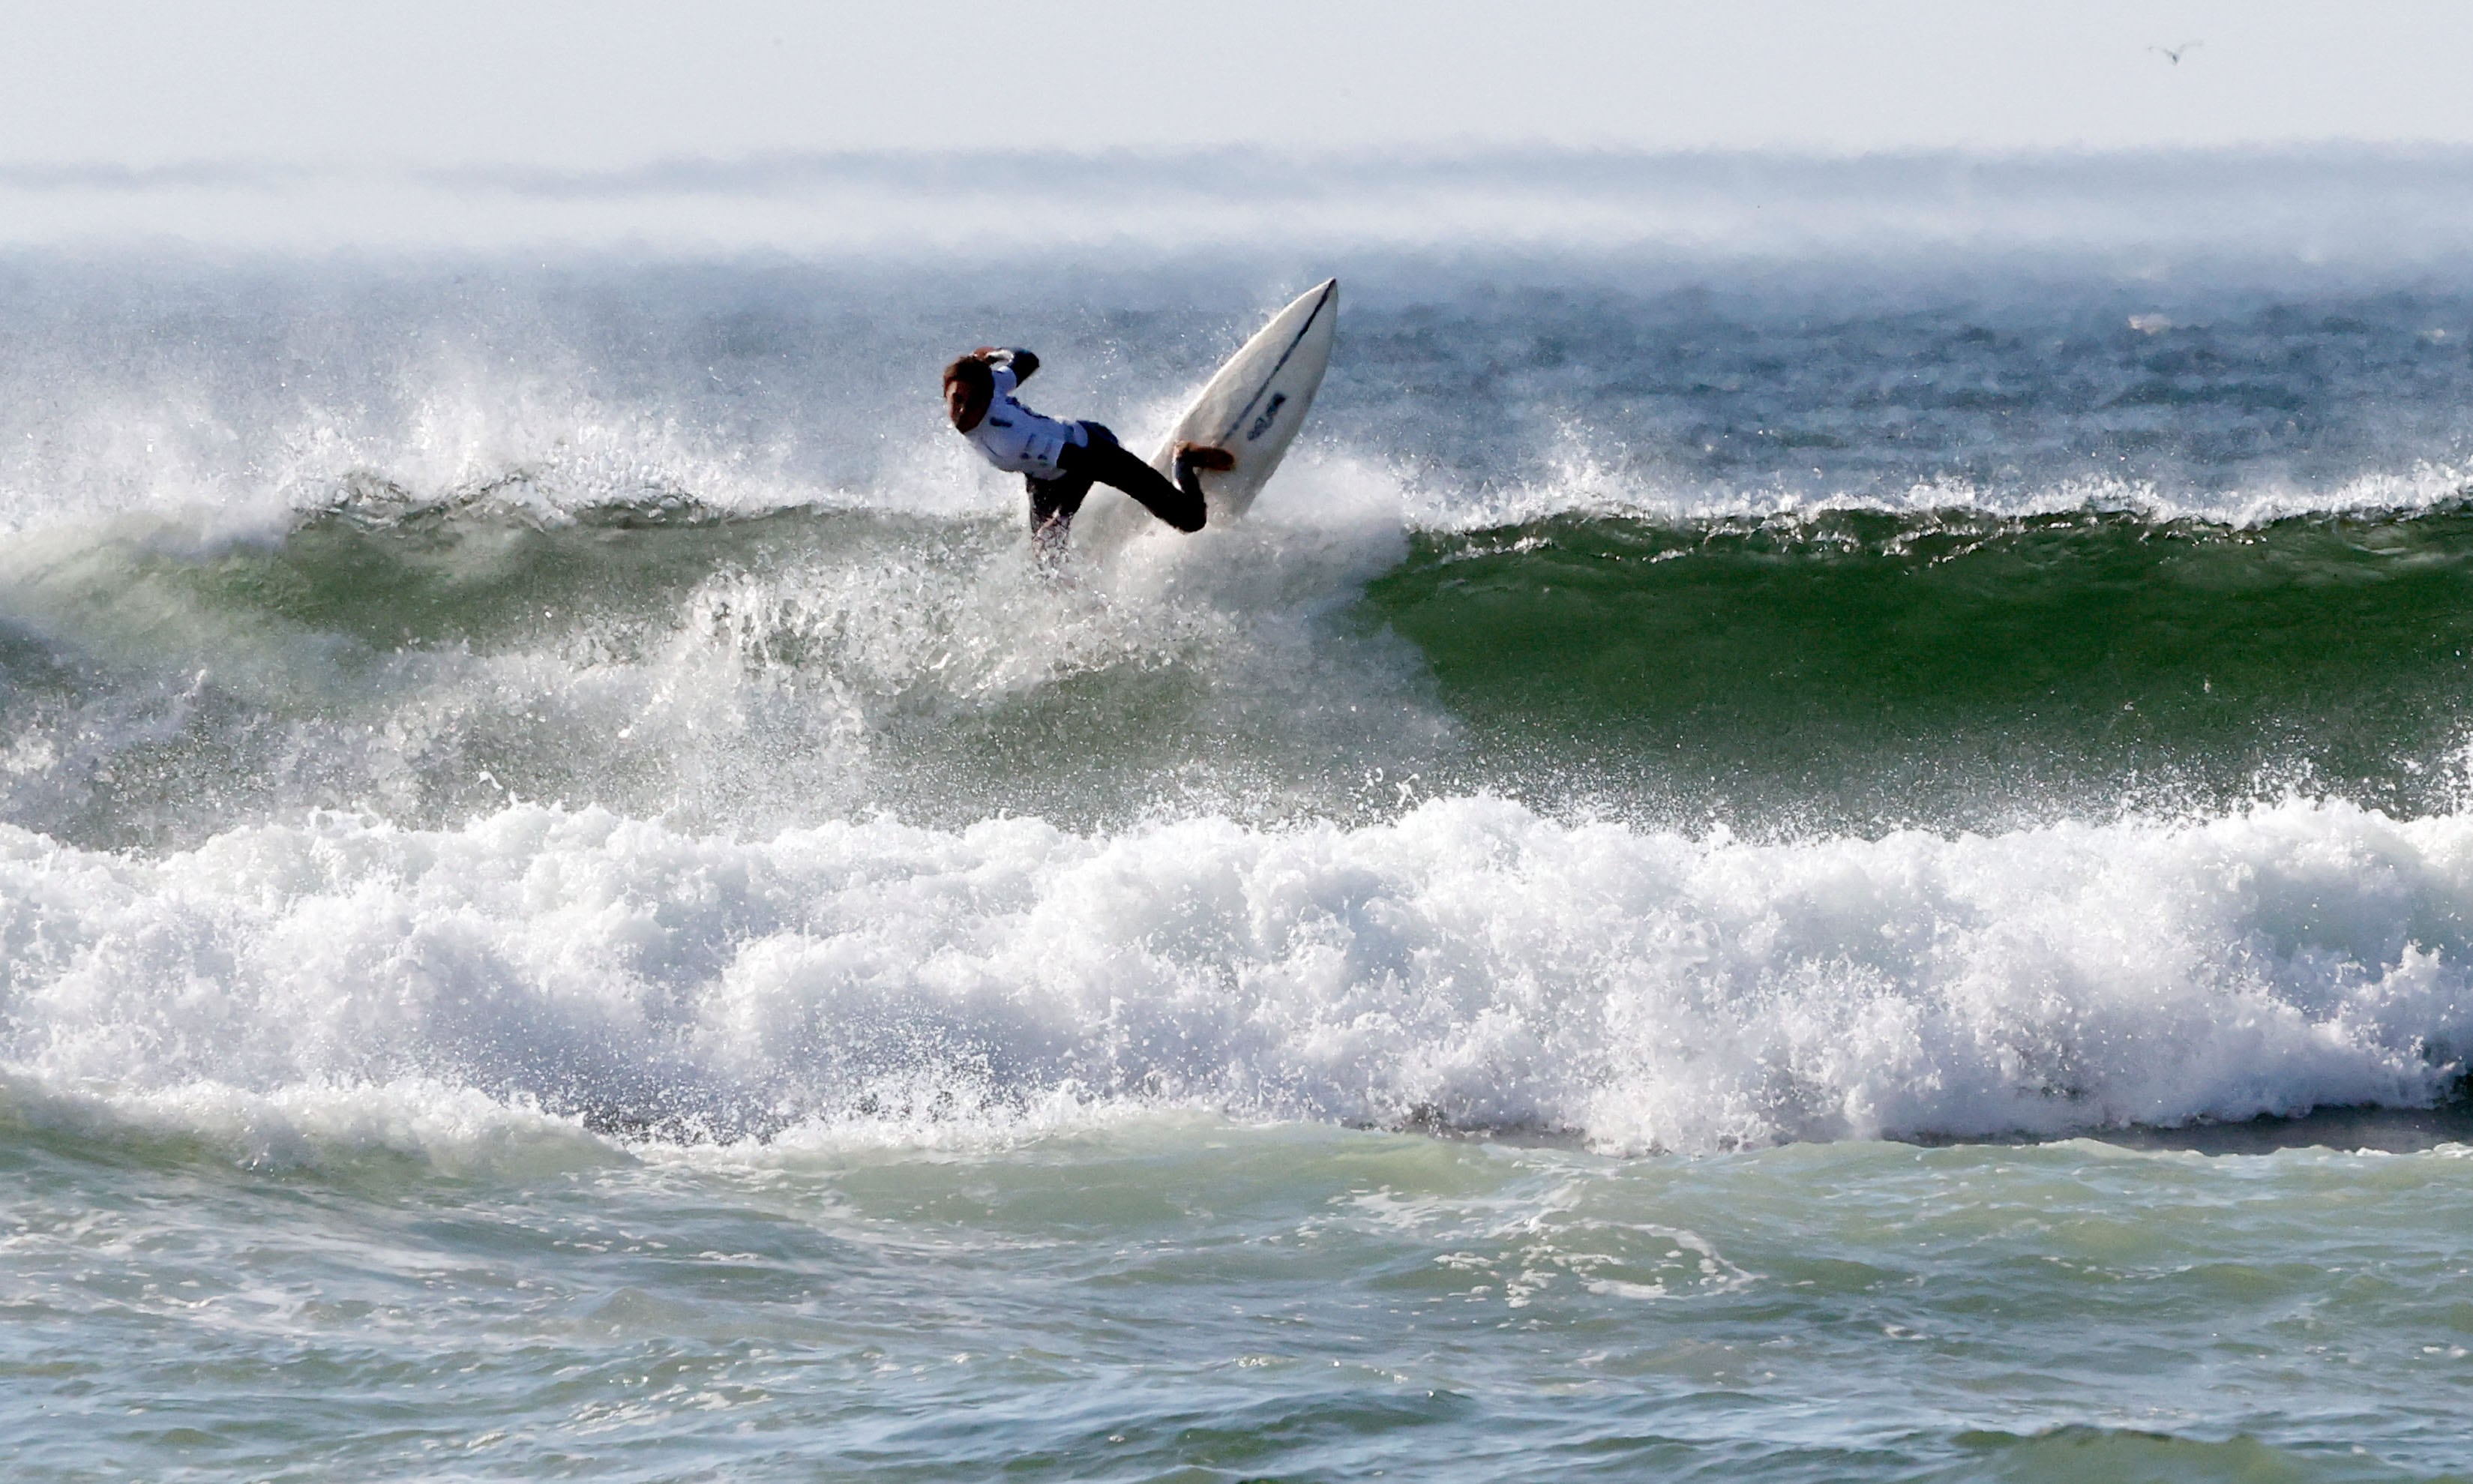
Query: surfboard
(1255,403)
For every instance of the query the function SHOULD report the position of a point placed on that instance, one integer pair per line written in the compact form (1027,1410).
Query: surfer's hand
(1021,363)
(1205,457)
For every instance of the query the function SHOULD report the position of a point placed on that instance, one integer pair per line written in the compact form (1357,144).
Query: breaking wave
(604,704)
(1471,964)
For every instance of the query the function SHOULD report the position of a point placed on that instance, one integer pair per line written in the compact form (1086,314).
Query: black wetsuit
(1102,460)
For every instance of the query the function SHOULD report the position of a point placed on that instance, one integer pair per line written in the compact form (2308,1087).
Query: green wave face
(661,658)
(1864,668)
(1845,671)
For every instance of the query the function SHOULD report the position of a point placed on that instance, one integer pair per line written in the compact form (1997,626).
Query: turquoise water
(1803,869)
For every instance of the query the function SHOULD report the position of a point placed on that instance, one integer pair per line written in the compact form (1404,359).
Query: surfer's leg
(1105,460)
(1052,505)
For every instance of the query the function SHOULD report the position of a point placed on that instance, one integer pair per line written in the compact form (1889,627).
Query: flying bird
(2173,54)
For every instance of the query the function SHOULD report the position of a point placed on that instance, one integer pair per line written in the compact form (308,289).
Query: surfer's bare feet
(1205,457)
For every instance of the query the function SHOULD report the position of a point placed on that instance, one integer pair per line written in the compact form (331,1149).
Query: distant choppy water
(570,905)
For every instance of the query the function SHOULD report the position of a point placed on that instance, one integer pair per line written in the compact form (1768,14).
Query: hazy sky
(617,82)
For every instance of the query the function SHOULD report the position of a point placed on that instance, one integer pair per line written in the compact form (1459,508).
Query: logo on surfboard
(1263,423)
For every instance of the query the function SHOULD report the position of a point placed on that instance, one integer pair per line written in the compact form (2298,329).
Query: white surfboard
(1256,403)
(1252,406)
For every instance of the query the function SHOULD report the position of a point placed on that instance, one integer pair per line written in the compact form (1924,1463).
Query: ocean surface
(1808,860)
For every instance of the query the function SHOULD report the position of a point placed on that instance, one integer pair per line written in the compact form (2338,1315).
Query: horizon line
(1249,164)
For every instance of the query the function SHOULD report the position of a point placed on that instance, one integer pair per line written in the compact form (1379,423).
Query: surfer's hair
(970,371)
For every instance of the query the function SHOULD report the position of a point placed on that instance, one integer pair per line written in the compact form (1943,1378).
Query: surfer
(1061,461)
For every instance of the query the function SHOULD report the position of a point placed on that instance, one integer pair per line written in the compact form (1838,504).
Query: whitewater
(1774,855)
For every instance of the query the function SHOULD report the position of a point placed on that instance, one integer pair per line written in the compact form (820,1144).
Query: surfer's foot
(1204,459)
(1047,537)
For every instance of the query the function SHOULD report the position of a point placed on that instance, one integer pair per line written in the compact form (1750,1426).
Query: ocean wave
(1472,965)
(426,660)
(1582,486)
(235,398)
(1955,665)
(1843,669)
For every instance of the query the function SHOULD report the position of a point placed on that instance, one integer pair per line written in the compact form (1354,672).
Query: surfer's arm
(1023,364)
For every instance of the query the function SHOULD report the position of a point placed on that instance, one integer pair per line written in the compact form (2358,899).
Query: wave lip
(1472,965)
(1582,487)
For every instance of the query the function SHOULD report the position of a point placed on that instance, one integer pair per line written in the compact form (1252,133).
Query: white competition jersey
(1014,438)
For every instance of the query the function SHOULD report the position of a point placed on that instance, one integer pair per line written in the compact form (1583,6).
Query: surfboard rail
(1255,403)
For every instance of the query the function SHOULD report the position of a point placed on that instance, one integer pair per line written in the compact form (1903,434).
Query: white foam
(1473,962)
(1586,483)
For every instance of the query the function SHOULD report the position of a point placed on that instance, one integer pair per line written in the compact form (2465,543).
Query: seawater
(1813,867)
